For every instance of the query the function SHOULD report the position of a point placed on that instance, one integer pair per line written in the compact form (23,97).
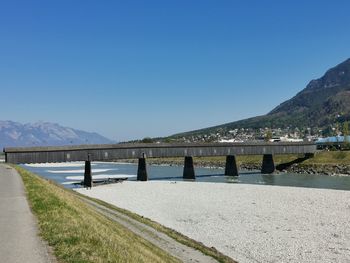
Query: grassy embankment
(320,158)
(330,157)
(79,234)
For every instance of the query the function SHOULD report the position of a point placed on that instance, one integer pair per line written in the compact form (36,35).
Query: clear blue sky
(131,69)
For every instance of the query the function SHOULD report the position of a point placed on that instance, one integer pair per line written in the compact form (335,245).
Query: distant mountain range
(324,102)
(45,133)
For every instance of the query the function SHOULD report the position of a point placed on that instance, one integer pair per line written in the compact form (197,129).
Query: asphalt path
(19,240)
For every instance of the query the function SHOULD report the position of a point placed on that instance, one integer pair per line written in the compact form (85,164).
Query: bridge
(113,152)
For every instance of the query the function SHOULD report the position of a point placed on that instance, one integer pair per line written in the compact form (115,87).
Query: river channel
(69,172)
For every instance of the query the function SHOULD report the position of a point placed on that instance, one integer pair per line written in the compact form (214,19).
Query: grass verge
(78,233)
(330,158)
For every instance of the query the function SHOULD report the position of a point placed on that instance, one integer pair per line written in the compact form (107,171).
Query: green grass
(78,233)
(330,157)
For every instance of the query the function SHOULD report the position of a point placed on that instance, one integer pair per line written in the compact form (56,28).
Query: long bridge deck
(112,152)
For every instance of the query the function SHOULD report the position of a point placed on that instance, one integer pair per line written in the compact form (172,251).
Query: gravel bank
(250,223)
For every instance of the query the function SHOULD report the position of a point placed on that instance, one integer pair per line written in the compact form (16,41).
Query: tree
(346,128)
(346,135)
(167,140)
(268,135)
(327,132)
(147,140)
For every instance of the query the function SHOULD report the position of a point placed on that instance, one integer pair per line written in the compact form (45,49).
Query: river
(60,172)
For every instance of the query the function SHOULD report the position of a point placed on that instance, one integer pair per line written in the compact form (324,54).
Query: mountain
(324,102)
(43,134)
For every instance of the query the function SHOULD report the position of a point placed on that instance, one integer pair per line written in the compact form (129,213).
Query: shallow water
(60,172)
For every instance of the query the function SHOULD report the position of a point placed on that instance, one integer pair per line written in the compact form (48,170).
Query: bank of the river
(250,223)
(325,162)
(78,233)
(86,230)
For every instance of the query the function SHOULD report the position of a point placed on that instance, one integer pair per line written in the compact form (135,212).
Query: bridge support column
(231,166)
(142,170)
(268,165)
(87,175)
(189,168)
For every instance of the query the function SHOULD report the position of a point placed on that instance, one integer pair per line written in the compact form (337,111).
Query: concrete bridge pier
(268,165)
(189,168)
(231,166)
(87,174)
(142,170)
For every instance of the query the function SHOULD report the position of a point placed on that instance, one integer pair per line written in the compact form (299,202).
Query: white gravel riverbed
(250,223)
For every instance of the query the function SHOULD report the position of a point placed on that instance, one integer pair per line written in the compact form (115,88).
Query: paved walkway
(19,240)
